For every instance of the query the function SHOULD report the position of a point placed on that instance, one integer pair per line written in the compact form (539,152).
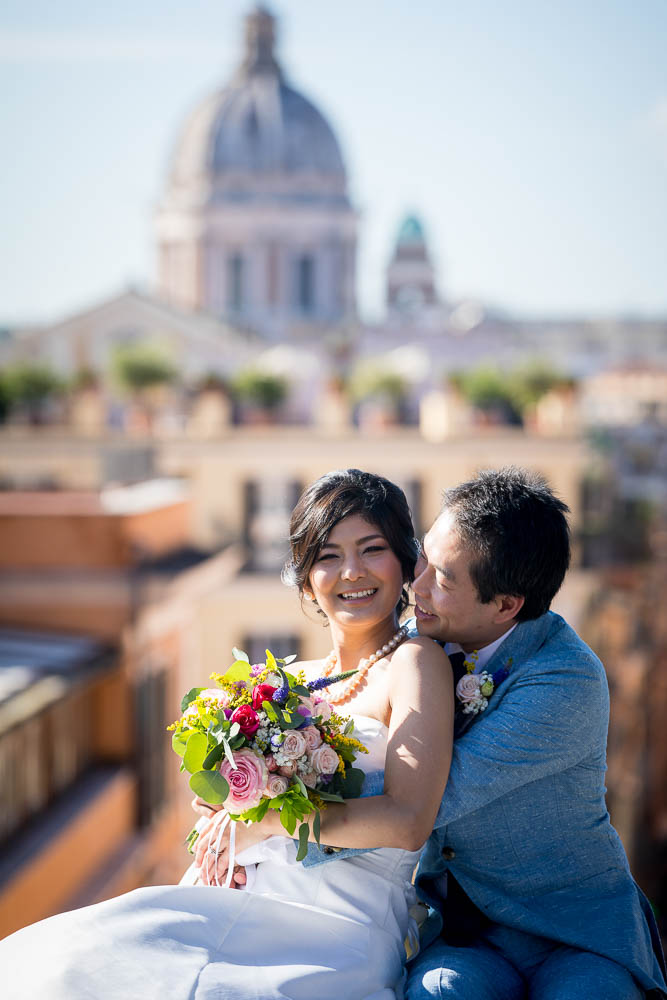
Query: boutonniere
(474,690)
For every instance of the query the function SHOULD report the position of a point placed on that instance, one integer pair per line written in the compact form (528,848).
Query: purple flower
(256,669)
(281,694)
(228,712)
(324,682)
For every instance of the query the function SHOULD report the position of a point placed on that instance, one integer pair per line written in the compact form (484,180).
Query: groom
(528,884)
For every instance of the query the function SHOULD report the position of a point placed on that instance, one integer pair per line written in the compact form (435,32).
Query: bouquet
(267,739)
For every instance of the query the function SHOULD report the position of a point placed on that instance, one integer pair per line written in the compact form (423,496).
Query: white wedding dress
(329,931)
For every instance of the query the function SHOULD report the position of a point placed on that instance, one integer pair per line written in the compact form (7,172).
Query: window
(268,506)
(235,282)
(151,722)
(305,284)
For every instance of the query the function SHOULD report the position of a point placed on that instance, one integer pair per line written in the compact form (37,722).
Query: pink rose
(214,697)
(247,719)
(247,782)
(322,708)
(294,745)
(215,694)
(260,693)
(276,785)
(270,762)
(312,736)
(467,688)
(310,779)
(288,769)
(325,759)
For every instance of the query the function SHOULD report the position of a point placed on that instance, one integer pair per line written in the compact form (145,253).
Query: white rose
(467,688)
(276,785)
(293,746)
(325,759)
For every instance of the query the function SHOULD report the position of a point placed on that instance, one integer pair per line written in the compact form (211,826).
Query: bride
(294,932)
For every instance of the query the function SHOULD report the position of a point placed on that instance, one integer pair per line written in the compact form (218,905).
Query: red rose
(246,718)
(260,693)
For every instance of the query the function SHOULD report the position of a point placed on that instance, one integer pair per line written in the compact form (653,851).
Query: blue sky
(531,137)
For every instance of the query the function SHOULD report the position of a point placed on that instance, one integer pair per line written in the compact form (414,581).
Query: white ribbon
(224,823)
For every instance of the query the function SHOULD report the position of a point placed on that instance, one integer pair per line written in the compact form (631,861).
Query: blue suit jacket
(523,823)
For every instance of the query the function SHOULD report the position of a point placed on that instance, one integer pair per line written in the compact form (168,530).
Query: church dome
(258,127)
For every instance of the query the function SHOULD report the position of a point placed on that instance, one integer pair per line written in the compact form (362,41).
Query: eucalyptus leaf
(179,741)
(234,729)
(240,654)
(328,797)
(229,755)
(192,694)
(288,659)
(210,786)
(195,752)
(316,827)
(239,671)
(353,782)
(303,842)
(300,689)
(214,755)
(301,786)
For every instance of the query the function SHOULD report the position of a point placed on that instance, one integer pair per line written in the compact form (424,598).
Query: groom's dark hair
(517,530)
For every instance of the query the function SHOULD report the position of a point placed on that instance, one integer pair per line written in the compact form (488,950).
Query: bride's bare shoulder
(419,649)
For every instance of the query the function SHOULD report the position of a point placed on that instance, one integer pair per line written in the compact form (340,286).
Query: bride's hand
(204,808)
(210,864)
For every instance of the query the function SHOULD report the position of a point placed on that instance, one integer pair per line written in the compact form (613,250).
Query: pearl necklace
(363,668)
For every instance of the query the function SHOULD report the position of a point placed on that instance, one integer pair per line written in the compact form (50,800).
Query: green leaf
(288,819)
(328,797)
(300,689)
(303,842)
(192,694)
(348,728)
(270,710)
(240,654)
(316,827)
(179,740)
(302,788)
(257,814)
(271,660)
(239,671)
(210,786)
(195,752)
(213,756)
(353,782)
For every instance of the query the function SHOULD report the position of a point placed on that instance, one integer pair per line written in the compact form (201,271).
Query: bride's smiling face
(356,576)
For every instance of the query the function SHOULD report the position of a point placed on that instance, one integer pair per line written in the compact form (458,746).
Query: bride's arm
(418,757)
(416,768)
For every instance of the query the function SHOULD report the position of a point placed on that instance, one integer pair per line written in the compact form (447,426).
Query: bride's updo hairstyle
(341,494)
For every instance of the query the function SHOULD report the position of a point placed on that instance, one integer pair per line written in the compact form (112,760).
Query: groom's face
(447,605)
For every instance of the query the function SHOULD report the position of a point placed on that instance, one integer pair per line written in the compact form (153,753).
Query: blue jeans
(509,965)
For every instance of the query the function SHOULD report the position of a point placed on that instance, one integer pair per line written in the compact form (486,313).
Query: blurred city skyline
(532,142)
